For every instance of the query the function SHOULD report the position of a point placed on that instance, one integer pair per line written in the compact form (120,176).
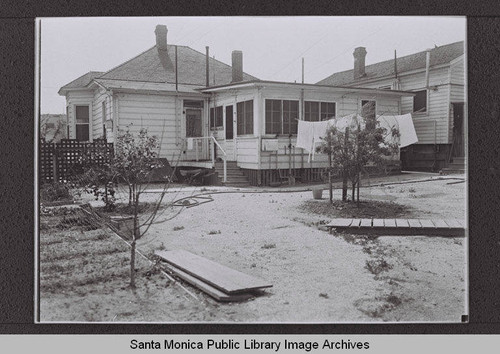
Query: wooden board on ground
(366,223)
(415,223)
(355,222)
(378,222)
(219,276)
(426,223)
(340,223)
(207,288)
(440,223)
(402,223)
(389,223)
(454,224)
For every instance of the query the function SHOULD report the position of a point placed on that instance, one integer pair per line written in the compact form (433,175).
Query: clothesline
(309,134)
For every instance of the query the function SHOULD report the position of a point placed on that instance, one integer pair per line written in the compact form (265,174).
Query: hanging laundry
(305,135)
(407,132)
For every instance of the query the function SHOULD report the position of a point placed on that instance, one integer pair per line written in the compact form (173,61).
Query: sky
(273,47)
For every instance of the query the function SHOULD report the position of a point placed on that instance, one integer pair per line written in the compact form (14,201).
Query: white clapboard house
(208,114)
(437,78)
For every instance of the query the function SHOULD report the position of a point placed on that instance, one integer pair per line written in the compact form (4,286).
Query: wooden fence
(64,160)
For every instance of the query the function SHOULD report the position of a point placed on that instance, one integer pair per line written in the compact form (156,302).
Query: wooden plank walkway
(426,227)
(223,278)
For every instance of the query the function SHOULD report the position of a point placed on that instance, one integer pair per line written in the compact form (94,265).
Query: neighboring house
(203,110)
(437,77)
(53,127)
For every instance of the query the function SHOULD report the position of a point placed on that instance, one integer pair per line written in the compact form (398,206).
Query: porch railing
(212,145)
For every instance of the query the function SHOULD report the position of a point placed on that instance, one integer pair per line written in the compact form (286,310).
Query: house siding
(156,113)
(432,127)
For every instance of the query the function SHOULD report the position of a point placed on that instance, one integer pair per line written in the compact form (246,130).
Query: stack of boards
(220,282)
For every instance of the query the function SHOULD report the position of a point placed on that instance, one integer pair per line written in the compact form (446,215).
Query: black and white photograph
(251,170)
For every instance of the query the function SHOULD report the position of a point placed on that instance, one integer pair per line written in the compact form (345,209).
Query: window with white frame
(282,116)
(318,111)
(82,123)
(216,118)
(420,102)
(244,117)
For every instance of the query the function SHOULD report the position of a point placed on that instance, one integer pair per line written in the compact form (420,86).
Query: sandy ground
(317,277)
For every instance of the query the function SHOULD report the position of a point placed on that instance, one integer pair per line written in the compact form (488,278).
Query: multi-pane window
(244,117)
(216,119)
(281,116)
(82,123)
(420,102)
(318,111)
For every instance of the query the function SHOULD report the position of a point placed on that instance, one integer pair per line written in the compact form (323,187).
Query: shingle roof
(147,67)
(83,80)
(439,55)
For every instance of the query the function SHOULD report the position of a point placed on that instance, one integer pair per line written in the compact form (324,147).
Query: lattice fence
(63,160)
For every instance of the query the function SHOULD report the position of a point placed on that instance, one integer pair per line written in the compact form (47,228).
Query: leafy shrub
(55,191)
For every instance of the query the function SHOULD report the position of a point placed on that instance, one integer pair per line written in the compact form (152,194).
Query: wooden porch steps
(221,282)
(235,177)
(400,227)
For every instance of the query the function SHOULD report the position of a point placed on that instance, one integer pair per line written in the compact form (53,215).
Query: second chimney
(359,62)
(237,63)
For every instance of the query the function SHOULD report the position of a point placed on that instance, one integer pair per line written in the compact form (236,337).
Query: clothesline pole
(344,170)
(330,186)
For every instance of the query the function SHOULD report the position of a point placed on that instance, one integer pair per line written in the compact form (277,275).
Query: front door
(196,149)
(458,130)
(193,123)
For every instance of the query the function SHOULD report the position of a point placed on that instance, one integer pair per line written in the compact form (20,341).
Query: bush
(55,191)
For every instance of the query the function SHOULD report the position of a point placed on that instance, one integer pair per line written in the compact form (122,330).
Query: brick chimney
(161,37)
(359,62)
(237,63)
(161,46)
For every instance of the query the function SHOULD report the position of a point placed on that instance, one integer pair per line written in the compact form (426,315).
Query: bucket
(317,193)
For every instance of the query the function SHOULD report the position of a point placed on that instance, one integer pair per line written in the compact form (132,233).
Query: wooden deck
(425,227)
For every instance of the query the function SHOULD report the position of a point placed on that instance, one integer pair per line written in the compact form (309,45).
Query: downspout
(207,83)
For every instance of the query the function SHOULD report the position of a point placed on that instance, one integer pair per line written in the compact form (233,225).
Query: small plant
(55,191)
(378,266)
(412,190)
(269,246)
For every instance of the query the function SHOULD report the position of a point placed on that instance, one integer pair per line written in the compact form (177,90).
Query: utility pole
(302,70)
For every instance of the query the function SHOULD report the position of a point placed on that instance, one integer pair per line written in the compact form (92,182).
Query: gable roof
(439,55)
(81,81)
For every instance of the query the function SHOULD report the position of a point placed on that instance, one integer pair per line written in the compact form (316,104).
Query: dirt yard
(317,277)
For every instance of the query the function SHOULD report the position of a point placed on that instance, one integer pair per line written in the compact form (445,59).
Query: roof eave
(304,86)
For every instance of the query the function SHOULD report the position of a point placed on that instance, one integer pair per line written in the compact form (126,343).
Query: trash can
(317,193)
